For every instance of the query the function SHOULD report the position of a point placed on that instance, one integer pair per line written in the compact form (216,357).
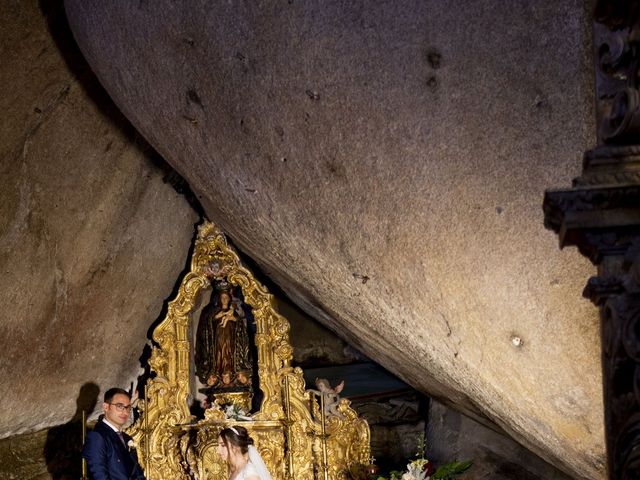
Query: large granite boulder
(91,237)
(385,164)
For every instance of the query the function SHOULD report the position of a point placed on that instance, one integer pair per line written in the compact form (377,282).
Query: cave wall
(91,237)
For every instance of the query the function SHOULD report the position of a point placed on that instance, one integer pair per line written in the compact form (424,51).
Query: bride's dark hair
(237,436)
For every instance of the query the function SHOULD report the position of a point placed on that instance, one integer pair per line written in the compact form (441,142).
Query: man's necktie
(121,437)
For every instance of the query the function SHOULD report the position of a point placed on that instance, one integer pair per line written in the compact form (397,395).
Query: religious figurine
(223,356)
(331,396)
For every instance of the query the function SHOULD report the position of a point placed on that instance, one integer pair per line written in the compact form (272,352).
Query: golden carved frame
(291,432)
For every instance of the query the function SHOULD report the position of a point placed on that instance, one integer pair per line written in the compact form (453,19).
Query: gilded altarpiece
(291,433)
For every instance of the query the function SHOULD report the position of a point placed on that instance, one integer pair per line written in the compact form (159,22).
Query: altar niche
(223,340)
(225,352)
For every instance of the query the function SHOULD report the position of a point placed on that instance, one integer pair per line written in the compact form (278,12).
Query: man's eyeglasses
(121,407)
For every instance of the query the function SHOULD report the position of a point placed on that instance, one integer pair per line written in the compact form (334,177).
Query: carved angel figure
(331,396)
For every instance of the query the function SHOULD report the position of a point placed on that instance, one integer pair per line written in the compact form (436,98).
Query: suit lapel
(121,451)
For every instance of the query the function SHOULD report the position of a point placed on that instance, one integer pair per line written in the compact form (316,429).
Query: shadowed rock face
(91,238)
(385,164)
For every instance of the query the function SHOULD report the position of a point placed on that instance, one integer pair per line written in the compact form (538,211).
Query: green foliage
(422,446)
(450,470)
(393,475)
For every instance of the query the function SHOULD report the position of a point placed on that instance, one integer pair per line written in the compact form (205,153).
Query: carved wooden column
(601,216)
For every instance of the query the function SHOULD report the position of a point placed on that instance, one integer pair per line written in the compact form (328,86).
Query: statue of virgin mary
(222,354)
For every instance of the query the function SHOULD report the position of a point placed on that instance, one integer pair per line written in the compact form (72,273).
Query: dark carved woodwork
(617,37)
(618,298)
(600,215)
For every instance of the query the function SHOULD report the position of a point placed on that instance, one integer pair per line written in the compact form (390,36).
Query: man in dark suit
(108,450)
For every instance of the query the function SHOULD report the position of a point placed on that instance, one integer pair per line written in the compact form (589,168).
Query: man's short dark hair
(112,392)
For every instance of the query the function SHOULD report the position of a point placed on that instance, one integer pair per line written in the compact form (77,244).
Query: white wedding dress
(248,471)
(254,467)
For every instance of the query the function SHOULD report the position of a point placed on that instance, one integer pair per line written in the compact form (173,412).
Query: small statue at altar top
(222,354)
(331,396)
(214,271)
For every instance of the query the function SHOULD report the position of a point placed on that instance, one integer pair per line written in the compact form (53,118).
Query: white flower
(131,444)
(236,413)
(414,471)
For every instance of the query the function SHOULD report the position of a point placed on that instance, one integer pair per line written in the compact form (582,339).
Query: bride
(235,447)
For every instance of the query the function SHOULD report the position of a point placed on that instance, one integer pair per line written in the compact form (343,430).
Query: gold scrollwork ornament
(292,434)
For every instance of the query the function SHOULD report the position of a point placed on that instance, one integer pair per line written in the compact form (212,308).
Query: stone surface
(23,457)
(451,436)
(384,163)
(313,344)
(91,238)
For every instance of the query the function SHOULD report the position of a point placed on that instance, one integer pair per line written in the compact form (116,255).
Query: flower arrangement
(234,412)
(422,469)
